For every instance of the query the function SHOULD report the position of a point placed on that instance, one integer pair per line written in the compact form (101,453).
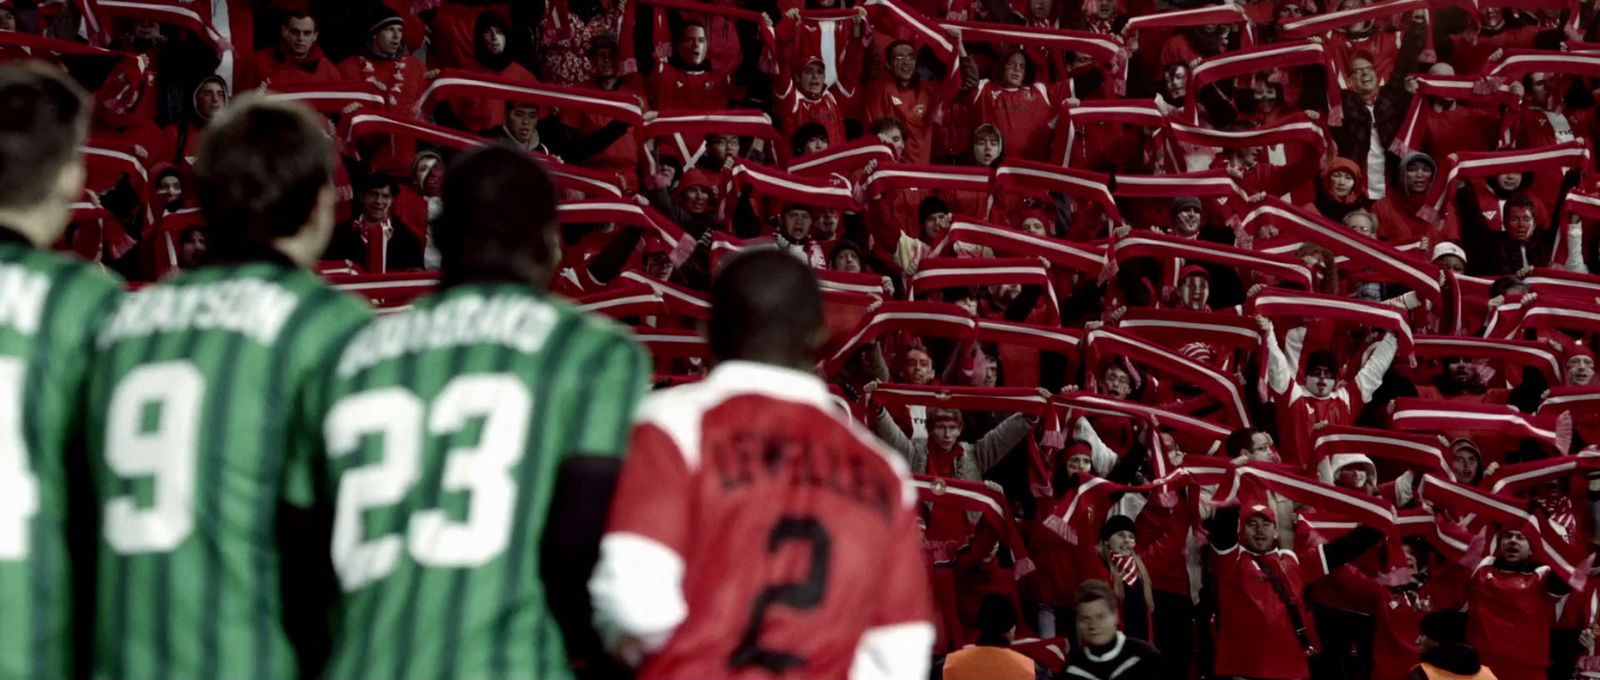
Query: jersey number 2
(483,470)
(800,596)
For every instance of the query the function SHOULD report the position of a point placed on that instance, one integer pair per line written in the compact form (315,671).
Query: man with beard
(1323,399)
(688,81)
(297,58)
(1511,602)
(1514,251)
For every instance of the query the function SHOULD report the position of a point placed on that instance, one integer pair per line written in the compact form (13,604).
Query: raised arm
(1371,374)
(889,432)
(1280,372)
(994,445)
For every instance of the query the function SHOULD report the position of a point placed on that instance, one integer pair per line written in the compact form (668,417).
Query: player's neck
(41,226)
(775,359)
(300,249)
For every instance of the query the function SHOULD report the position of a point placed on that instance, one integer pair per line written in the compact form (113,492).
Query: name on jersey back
(250,307)
(516,321)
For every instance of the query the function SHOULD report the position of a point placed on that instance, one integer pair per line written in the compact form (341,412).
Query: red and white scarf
(1161,246)
(1507,352)
(1554,158)
(925,31)
(891,176)
(458,84)
(830,192)
(1042,179)
(1104,49)
(666,343)
(624,302)
(604,211)
(1066,254)
(1511,479)
(1327,22)
(1422,451)
(1071,405)
(661,31)
(1104,343)
(1386,263)
(1277,303)
(845,159)
(1426,415)
(1139,112)
(991,506)
(922,319)
(388,287)
(688,130)
(325,97)
(1563,558)
(935,273)
(1458,88)
(1267,58)
(1227,14)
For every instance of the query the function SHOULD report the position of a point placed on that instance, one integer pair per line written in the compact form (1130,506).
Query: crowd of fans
(1239,339)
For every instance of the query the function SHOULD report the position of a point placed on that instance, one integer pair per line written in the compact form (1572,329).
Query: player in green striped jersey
(50,305)
(446,430)
(193,398)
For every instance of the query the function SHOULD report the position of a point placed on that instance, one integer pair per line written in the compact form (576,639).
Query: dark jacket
(405,249)
(1109,662)
(1353,137)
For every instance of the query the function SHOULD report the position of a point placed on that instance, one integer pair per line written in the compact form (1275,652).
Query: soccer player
(49,307)
(194,396)
(472,444)
(756,532)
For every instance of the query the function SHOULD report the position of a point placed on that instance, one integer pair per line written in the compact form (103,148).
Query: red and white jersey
(1509,617)
(758,534)
(1254,635)
(1024,115)
(795,109)
(1299,412)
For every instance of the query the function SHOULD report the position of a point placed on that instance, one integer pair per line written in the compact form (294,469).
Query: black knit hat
(931,206)
(382,18)
(1446,626)
(1114,524)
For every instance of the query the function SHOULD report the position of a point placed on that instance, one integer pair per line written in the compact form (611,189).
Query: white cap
(1447,248)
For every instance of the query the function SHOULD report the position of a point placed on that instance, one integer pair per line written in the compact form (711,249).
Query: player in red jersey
(756,532)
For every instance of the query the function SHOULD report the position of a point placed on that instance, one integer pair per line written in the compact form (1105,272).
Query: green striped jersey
(443,429)
(193,398)
(50,306)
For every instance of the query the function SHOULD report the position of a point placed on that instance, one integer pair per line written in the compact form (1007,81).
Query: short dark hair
(375,180)
(886,123)
(996,616)
(1519,201)
(1241,440)
(499,215)
(263,165)
(1095,590)
(295,16)
(765,306)
(43,120)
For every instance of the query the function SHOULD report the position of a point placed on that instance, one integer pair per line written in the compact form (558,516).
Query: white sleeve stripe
(637,588)
(897,652)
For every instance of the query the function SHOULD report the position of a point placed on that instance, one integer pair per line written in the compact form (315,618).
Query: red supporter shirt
(1254,636)
(1509,616)
(913,105)
(271,67)
(678,90)
(1022,114)
(755,528)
